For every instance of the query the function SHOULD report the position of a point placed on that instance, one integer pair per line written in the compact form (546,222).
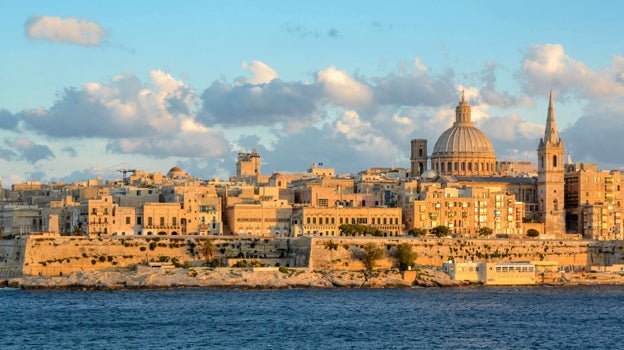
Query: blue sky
(152,85)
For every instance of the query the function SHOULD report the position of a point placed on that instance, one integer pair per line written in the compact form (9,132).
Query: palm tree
(207,250)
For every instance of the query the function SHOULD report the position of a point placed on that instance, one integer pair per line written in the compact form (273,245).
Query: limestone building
(463,157)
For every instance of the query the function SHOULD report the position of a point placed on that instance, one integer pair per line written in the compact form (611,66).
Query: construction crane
(123,170)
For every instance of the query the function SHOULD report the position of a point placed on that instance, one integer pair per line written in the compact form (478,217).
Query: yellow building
(465,210)
(326,221)
(593,201)
(266,219)
(507,274)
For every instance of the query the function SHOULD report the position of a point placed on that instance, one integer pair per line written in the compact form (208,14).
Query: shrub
(405,255)
(142,249)
(283,269)
(102,258)
(532,232)
(93,261)
(152,245)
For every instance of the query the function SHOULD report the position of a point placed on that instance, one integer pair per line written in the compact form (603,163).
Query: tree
(485,231)
(440,231)
(207,250)
(359,230)
(416,232)
(532,232)
(371,253)
(405,255)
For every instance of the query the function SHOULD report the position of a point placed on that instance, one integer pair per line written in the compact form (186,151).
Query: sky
(91,88)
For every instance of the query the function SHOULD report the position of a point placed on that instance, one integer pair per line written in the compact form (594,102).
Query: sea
(536,317)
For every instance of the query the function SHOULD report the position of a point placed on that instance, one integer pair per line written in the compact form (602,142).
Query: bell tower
(550,176)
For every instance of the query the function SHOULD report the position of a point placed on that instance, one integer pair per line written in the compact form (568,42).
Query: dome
(463,150)
(175,172)
(463,139)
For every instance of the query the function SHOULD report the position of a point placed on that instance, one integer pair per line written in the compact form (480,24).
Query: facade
(326,221)
(593,201)
(265,219)
(505,274)
(465,210)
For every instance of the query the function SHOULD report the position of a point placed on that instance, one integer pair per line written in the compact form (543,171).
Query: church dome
(463,150)
(463,139)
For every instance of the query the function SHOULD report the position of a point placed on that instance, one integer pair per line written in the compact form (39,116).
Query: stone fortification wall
(12,257)
(54,256)
(343,253)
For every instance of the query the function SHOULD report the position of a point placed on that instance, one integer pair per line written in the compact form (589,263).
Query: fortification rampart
(343,253)
(54,256)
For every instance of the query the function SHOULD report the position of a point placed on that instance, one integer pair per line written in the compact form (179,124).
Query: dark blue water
(464,318)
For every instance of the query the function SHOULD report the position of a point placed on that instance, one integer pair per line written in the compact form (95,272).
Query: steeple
(462,112)
(550,133)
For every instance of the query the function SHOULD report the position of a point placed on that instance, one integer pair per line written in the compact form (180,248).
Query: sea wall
(56,256)
(344,253)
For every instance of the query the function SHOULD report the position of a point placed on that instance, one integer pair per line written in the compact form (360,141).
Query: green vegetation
(532,232)
(207,250)
(371,254)
(152,245)
(405,255)
(142,249)
(417,232)
(359,230)
(440,231)
(485,231)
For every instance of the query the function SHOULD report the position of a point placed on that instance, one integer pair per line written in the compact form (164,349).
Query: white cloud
(65,30)
(546,67)
(344,90)
(261,73)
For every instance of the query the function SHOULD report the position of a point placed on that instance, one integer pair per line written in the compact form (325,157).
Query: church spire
(550,133)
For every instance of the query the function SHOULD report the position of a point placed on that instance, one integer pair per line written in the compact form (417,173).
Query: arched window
(554,161)
(463,166)
(469,166)
(449,167)
(456,166)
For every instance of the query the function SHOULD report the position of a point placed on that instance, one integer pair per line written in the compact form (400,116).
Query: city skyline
(92,86)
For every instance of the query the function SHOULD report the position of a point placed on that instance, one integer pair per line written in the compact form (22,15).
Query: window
(554,161)
(149,221)
(162,221)
(127,220)
(174,221)
(138,220)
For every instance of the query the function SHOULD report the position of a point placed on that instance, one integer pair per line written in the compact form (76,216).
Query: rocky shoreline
(232,278)
(238,278)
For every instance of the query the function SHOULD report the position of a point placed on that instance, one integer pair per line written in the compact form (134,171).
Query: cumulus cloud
(261,73)
(417,88)
(546,67)
(8,120)
(156,118)
(70,151)
(602,121)
(30,151)
(65,30)
(343,89)
(262,104)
